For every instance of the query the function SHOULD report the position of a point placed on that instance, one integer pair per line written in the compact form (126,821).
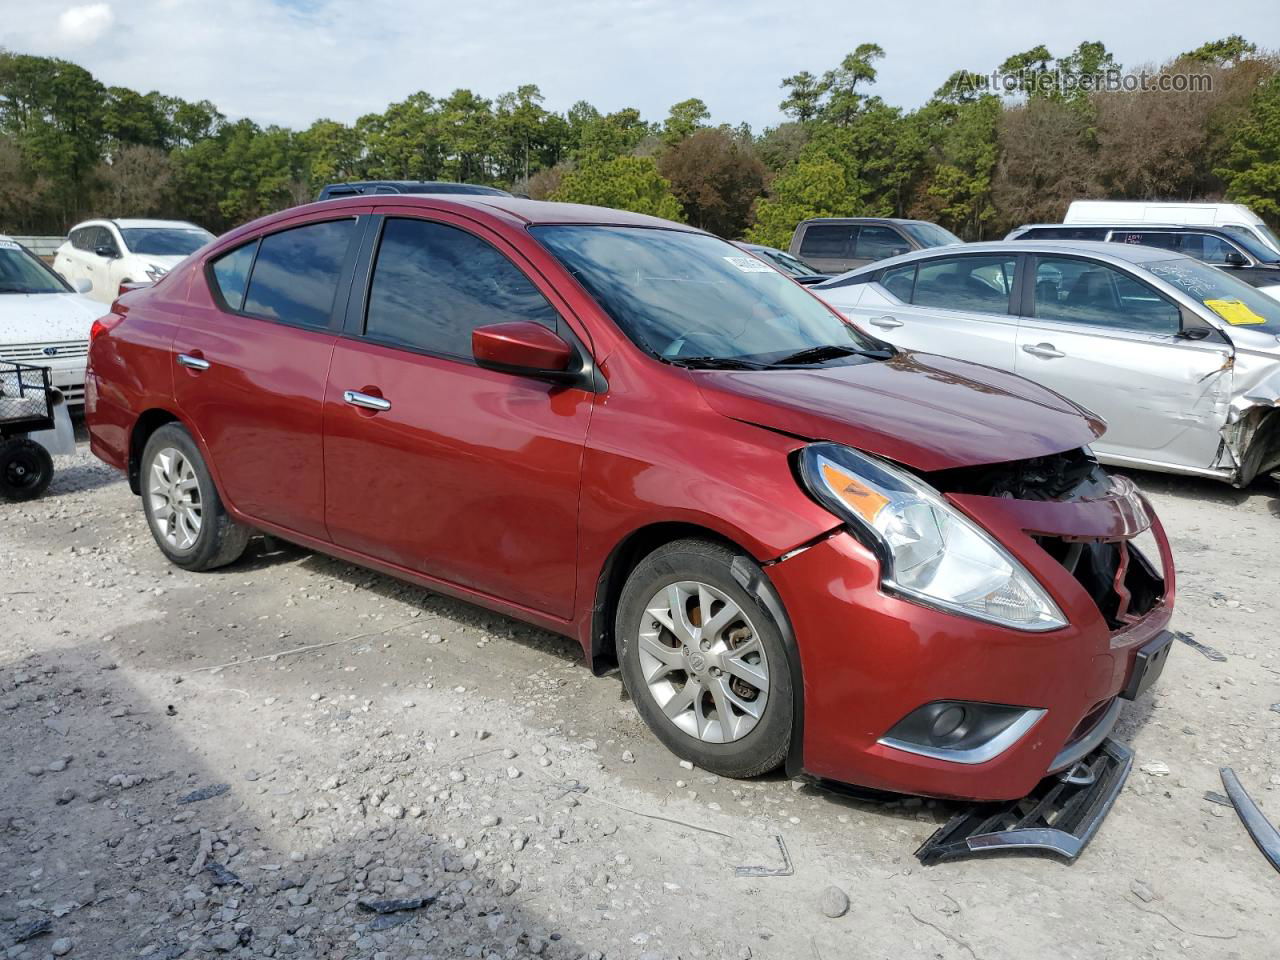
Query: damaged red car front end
(871,664)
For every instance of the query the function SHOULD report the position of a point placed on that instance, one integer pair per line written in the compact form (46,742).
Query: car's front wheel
(187,518)
(704,661)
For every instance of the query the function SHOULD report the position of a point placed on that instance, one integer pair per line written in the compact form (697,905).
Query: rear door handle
(195,363)
(358,399)
(1045,351)
(886,323)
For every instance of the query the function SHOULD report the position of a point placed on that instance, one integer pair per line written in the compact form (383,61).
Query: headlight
(154,272)
(930,551)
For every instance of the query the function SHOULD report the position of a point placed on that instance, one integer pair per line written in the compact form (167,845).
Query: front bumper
(869,658)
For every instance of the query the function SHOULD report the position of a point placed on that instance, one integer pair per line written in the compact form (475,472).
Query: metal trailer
(34,425)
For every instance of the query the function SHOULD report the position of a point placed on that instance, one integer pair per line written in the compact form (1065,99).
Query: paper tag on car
(750,264)
(1235,312)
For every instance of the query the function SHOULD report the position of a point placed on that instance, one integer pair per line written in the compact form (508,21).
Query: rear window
(826,240)
(296,273)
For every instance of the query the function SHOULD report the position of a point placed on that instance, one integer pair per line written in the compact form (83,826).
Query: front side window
(434,284)
(164,241)
(695,299)
(1094,294)
(296,273)
(977,284)
(829,240)
(231,273)
(1235,301)
(878,243)
(20,272)
(1215,250)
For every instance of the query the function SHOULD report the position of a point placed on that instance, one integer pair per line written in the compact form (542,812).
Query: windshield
(1249,240)
(688,297)
(20,272)
(1229,297)
(165,241)
(930,234)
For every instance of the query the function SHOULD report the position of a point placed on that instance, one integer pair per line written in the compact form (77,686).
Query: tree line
(975,159)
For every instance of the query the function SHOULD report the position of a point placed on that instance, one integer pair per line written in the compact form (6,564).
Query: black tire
(220,540)
(764,747)
(25,469)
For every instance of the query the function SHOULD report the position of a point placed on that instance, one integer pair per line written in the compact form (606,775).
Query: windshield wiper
(829,351)
(715,363)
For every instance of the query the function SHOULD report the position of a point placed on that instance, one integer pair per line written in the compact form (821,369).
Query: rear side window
(1165,241)
(826,240)
(877,243)
(900,281)
(231,274)
(433,284)
(296,273)
(980,284)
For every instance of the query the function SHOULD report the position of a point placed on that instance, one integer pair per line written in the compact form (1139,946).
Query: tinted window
(1165,241)
(165,241)
(1064,233)
(231,273)
(1096,295)
(101,237)
(876,243)
(80,238)
(433,284)
(930,234)
(980,284)
(899,281)
(825,240)
(1215,249)
(296,273)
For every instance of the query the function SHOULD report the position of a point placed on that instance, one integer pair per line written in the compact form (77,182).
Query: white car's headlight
(155,272)
(930,551)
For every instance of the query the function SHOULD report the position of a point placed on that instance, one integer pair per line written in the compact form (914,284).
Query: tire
(684,683)
(186,516)
(25,469)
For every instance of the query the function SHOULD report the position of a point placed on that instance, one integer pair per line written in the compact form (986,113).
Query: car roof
(518,209)
(842,220)
(1136,227)
(420,186)
(129,223)
(1098,249)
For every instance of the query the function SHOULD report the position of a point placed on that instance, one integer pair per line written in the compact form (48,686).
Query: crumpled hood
(46,317)
(924,411)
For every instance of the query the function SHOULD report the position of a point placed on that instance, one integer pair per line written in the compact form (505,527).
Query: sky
(291,62)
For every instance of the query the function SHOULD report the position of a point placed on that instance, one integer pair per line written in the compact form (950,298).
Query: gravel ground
(172,786)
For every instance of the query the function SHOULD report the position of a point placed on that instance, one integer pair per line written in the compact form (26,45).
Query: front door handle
(1045,351)
(886,323)
(194,363)
(358,399)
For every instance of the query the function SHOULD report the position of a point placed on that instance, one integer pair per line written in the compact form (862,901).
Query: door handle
(886,323)
(194,363)
(1045,351)
(358,399)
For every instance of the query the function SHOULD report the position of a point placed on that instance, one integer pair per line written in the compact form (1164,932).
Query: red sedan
(798,544)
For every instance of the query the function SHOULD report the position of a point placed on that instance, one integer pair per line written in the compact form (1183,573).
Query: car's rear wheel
(704,661)
(25,469)
(182,506)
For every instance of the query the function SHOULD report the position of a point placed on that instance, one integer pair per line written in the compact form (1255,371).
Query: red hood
(927,412)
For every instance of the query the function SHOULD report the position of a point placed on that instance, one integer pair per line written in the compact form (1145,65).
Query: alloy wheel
(174,492)
(702,662)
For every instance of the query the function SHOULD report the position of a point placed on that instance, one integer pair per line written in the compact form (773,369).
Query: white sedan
(43,321)
(108,253)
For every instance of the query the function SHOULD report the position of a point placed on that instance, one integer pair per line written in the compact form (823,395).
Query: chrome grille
(35,352)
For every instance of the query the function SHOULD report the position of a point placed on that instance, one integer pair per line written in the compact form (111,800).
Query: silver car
(1181,359)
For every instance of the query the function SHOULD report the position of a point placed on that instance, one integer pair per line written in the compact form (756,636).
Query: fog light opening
(961,731)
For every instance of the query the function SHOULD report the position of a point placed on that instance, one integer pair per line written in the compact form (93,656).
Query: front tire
(25,469)
(704,661)
(187,518)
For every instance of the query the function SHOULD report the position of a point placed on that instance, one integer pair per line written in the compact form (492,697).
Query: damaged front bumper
(870,659)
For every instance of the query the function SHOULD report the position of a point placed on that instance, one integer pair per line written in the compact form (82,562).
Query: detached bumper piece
(1059,817)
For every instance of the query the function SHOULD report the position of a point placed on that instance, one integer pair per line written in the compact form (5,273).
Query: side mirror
(1234,258)
(523,347)
(83,285)
(106,251)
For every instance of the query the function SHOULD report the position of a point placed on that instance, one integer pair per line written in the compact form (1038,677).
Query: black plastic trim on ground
(1059,817)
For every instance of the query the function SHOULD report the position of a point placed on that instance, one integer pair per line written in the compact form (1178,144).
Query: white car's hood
(167,262)
(46,317)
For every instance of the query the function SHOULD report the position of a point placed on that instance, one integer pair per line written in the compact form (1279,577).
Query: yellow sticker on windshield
(1235,312)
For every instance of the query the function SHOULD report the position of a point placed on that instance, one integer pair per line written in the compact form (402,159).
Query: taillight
(103,324)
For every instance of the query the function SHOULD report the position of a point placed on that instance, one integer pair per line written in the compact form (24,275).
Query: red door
(468,475)
(251,362)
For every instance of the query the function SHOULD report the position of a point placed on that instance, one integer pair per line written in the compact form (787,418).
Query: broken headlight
(929,550)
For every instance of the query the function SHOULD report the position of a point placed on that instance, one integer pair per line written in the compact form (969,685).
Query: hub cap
(703,662)
(174,492)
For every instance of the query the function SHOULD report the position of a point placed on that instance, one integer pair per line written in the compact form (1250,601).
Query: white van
(1233,217)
